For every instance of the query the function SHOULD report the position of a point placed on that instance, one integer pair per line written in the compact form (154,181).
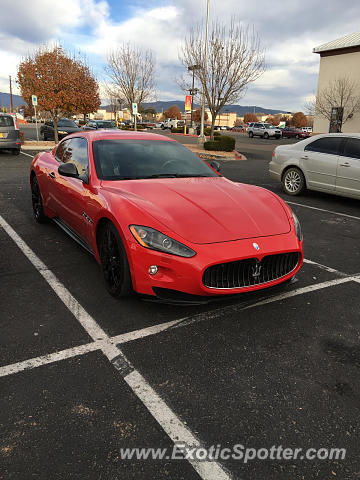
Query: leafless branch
(132,71)
(340,93)
(235,59)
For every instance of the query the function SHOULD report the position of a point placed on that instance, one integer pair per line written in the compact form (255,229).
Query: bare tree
(235,59)
(114,97)
(341,93)
(131,71)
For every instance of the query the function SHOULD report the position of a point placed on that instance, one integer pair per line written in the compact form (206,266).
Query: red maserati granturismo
(160,220)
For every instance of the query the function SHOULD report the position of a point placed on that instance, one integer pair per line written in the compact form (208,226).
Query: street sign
(187,103)
(134,109)
(34,100)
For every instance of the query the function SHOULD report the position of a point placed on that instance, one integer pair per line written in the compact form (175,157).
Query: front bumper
(186,274)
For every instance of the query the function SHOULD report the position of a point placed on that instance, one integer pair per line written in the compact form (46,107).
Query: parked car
(172,123)
(160,220)
(65,126)
(237,129)
(292,132)
(147,124)
(327,163)
(264,130)
(306,129)
(99,125)
(9,134)
(158,124)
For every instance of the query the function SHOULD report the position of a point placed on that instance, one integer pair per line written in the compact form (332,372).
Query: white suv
(264,130)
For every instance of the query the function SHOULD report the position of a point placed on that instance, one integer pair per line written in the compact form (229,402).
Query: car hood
(206,210)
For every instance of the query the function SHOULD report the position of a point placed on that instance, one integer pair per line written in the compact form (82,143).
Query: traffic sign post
(34,102)
(135,112)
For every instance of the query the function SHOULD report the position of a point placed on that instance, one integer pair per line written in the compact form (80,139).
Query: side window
(352,148)
(77,153)
(330,145)
(60,152)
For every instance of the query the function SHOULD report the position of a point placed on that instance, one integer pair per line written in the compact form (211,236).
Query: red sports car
(160,220)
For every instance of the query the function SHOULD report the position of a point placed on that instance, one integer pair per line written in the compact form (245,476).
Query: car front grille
(250,272)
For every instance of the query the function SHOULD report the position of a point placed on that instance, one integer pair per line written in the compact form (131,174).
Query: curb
(36,148)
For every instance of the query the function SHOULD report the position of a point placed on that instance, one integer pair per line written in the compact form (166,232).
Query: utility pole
(201,138)
(11,99)
(193,91)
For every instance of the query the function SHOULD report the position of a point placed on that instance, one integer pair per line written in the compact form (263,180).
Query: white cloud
(161,25)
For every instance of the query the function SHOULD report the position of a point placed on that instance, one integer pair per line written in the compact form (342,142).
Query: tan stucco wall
(333,67)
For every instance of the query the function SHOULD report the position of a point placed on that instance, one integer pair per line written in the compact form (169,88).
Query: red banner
(187,103)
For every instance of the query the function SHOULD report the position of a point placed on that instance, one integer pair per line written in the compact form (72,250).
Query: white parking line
(301,291)
(324,210)
(168,420)
(325,267)
(27,154)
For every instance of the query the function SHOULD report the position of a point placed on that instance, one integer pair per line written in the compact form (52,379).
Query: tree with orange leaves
(61,83)
(173,112)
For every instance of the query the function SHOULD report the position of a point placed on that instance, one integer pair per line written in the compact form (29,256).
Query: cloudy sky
(288,31)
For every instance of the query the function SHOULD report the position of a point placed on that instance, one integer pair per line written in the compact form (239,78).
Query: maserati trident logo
(256,246)
(256,271)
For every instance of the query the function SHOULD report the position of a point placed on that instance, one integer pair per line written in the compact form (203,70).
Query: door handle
(52,174)
(346,164)
(304,157)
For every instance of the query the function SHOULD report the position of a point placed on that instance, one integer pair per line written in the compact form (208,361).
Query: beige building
(339,58)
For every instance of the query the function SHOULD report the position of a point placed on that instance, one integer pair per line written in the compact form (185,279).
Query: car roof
(120,135)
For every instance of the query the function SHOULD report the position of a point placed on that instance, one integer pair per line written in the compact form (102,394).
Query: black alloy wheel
(114,263)
(37,204)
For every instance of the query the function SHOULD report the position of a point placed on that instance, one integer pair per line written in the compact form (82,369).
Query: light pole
(201,138)
(193,91)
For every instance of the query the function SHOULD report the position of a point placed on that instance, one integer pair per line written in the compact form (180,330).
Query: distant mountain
(239,109)
(5,100)
(162,106)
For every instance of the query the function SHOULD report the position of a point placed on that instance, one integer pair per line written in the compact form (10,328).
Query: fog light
(153,269)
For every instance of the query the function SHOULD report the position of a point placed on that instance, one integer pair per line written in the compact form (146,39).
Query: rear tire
(297,137)
(251,134)
(266,135)
(15,151)
(37,203)
(114,262)
(294,181)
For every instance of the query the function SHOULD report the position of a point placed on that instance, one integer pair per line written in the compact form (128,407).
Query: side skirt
(64,226)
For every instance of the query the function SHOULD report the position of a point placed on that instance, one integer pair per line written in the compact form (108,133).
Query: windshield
(6,121)
(67,123)
(106,124)
(135,159)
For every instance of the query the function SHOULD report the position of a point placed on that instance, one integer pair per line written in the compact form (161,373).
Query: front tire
(114,262)
(294,181)
(251,134)
(266,135)
(37,203)
(15,151)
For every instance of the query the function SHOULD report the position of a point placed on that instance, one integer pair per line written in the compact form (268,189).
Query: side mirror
(68,170)
(215,165)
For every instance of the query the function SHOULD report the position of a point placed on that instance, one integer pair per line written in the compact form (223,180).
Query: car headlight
(151,238)
(297,227)
(62,132)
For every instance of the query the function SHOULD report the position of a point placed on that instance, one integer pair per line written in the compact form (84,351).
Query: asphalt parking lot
(84,375)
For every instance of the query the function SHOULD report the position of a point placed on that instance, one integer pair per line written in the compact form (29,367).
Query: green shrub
(179,130)
(221,143)
(213,145)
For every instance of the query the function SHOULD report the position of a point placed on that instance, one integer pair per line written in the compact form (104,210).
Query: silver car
(327,163)
(9,134)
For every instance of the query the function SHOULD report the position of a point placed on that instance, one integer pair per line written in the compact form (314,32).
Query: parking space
(279,367)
